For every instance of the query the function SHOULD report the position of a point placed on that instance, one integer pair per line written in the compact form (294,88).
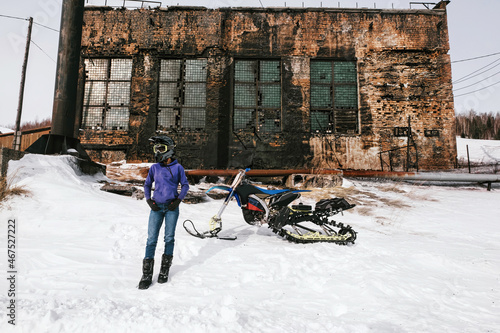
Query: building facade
(270,87)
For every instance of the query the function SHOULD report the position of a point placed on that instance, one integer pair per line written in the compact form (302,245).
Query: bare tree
(473,125)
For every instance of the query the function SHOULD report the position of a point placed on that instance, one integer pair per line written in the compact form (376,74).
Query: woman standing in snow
(167,174)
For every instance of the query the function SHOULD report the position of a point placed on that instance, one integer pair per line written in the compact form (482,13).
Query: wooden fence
(28,137)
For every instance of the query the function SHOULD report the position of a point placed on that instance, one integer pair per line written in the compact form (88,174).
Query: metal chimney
(62,137)
(68,62)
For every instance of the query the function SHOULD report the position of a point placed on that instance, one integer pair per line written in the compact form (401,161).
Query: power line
(468,76)
(46,27)
(43,50)
(477,82)
(484,56)
(477,74)
(24,19)
(470,92)
(14,17)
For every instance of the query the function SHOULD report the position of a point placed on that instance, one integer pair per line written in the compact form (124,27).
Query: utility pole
(16,145)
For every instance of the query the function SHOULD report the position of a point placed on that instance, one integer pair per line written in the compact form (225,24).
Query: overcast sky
(473,28)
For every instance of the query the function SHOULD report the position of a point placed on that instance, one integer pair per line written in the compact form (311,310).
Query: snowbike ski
(213,232)
(296,223)
(215,223)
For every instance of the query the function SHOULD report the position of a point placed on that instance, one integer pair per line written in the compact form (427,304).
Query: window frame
(334,113)
(107,106)
(259,113)
(179,107)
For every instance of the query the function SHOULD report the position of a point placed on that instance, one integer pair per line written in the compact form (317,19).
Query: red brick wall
(404,72)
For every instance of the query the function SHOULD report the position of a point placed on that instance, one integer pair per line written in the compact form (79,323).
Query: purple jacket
(166,179)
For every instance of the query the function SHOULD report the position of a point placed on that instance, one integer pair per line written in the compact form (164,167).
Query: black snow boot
(147,273)
(166,262)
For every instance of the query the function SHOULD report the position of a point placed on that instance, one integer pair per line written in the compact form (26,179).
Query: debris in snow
(123,189)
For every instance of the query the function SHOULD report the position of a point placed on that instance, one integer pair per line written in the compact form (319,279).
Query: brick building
(270,87)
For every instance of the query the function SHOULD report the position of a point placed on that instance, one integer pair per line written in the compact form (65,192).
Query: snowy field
(480,151)
(427,259)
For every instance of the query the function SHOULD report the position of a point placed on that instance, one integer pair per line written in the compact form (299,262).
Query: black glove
(174,204)
(153,205)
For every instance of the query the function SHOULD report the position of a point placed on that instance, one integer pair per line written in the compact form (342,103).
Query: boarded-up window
(334,97)
(257,95)
(107,94)
(182,94)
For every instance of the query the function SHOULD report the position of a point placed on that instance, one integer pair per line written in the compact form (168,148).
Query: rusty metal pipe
(430,176)
(377,174)
(395,175)
(263,172)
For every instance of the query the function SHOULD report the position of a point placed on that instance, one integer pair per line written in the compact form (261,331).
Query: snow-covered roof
(4,130)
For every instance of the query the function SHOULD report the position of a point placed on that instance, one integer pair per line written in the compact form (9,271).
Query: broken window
(334,97)
(257,95)
(182,94)
(107,93)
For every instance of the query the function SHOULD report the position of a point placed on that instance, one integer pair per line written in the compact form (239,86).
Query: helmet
(163,147)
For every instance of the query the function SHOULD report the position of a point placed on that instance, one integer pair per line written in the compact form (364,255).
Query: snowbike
(296,223)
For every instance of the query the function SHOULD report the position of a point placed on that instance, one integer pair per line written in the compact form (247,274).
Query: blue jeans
(154,226)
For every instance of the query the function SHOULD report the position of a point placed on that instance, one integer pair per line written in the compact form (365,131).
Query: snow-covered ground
(480,151)
(427,259)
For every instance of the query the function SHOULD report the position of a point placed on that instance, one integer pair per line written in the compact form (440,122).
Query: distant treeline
(28,125)
(472,125)
(36,124)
